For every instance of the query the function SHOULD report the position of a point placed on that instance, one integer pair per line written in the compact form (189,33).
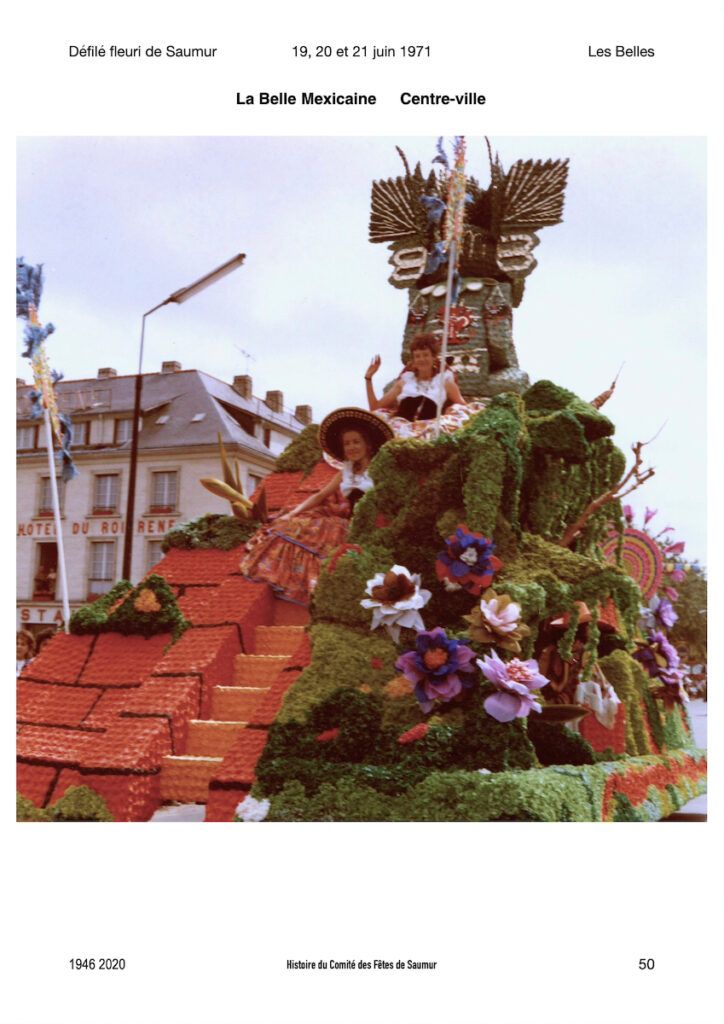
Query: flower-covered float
(523,685)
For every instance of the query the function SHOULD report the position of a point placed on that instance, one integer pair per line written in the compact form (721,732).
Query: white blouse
(352,481)
(413,387)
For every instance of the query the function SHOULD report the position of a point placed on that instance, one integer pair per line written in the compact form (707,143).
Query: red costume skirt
(289,556)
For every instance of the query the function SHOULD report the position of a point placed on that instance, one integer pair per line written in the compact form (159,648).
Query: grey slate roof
(180,395)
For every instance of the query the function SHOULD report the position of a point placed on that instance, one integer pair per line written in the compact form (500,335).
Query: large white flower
(252,810)
(395,598)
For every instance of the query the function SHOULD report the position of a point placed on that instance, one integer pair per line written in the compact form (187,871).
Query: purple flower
(657,656)
(468,560)
(433,667)
(665,613)
(649,515)
(514,679)
(628,514)
(678,575)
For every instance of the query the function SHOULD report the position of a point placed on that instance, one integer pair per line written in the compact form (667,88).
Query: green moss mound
(146,609)
(78,803)
(303,454)
(346,736)
(210,531)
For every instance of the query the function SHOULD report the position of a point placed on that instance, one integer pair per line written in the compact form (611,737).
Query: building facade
(183,412)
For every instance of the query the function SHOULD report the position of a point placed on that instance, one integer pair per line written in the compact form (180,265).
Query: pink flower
(515,680)
(676,549)
(649,515)
(678,576)
(672,593)
(628,513)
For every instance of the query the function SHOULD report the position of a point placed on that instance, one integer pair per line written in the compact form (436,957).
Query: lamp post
(177,297)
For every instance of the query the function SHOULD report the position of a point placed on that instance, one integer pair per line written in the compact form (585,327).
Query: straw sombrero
(333,426)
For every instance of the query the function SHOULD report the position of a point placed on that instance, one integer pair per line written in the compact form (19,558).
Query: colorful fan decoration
(641,558)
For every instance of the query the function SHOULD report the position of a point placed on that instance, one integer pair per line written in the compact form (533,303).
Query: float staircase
(220,753)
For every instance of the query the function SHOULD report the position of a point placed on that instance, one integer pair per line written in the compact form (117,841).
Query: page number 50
(646,964)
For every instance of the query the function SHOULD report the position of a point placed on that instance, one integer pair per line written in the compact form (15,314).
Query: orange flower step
(278,639)
(211,738)
(186,778)
(236,703)
(258,669)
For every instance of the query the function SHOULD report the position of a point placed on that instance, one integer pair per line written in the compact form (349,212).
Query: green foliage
(210,531)
(631,686)
(338,594)
(676,729)
(555,744)
(341,657)
(542,795)
(367,748)
(128,616)
(78,803)
(690,632)
(557,793)
(25,810)
(302,454)
(93,617)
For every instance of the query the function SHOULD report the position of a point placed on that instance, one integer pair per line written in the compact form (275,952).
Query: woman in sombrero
(410,404)
(289,551)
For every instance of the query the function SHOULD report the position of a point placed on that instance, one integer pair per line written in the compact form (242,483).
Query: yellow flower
(147,601)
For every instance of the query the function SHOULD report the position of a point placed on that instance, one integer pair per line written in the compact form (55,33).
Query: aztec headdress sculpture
(495,257)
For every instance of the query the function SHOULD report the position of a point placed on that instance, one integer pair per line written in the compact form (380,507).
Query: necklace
(425,386)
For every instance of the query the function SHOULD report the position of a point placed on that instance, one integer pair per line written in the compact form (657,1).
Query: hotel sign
(95,527)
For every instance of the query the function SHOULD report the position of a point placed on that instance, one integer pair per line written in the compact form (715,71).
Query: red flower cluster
(327,735)
(635,783)
(417,732)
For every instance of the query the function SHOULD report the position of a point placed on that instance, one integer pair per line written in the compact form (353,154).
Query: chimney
(170,366)
(19,382)
(275,401)
(303,413)
(106,371)
(242,385)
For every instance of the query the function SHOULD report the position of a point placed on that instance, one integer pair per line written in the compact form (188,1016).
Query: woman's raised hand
(373,367)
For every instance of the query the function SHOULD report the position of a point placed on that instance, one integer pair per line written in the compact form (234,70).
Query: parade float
(476,650)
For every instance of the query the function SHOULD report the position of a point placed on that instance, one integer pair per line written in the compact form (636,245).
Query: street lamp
(178,297)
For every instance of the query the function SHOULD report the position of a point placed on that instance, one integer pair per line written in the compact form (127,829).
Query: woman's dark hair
(428,341)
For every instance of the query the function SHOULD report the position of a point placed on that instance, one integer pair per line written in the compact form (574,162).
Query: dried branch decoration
(635,477)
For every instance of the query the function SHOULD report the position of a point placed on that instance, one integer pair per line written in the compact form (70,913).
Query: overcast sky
(120,223)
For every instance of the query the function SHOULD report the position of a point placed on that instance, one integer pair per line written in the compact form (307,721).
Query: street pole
(133,466)
(58,524)
(177,297)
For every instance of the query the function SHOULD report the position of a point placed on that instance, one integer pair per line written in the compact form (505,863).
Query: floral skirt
(452,419)
(288,556)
